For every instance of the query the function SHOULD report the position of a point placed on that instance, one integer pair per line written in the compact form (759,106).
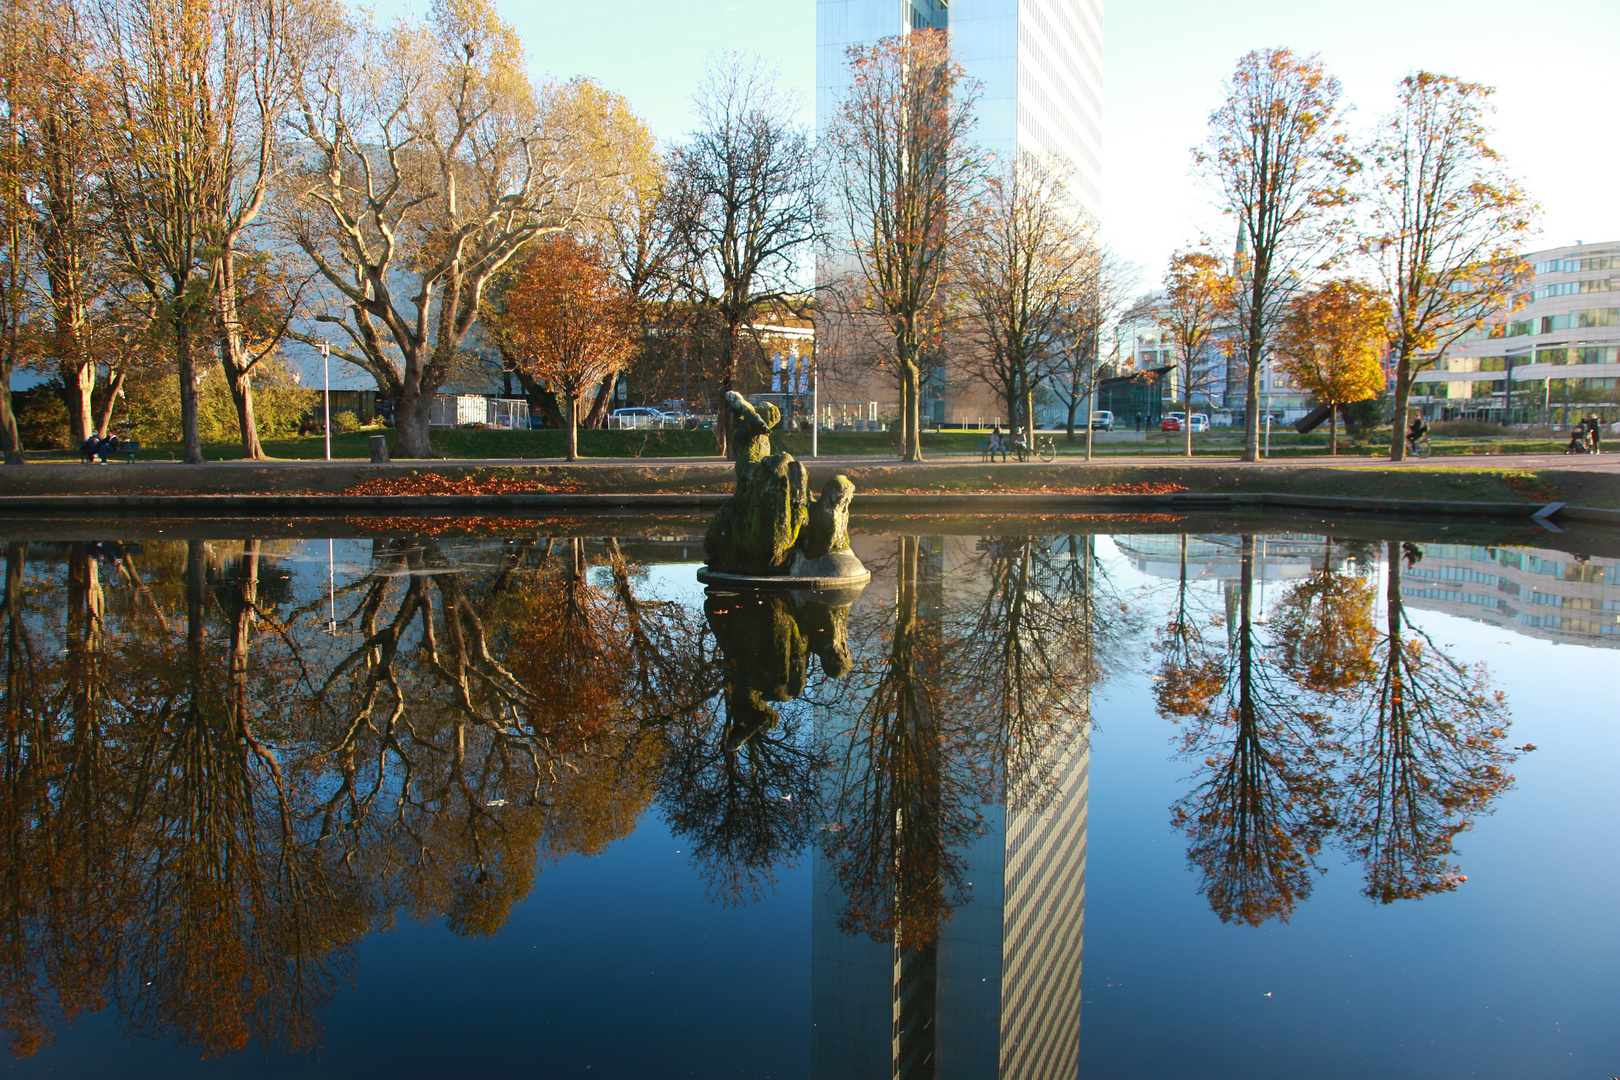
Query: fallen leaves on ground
(1046,489)
(438,484)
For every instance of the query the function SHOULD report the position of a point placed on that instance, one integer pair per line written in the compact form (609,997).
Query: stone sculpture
(771,527)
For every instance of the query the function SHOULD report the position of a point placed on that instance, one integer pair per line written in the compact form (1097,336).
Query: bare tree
(904,173)
(1279,158)
(432,163)
(1447,224)
(744,191)
(1026,265)
(1096,314)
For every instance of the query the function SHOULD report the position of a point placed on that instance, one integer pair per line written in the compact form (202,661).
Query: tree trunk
(1029,414)
(571,408)
(910,411)
(190,429)
(1333,431)
(1403,393)
(233,355)
(115,387)
(78,384)
(1186,421)
(411,424)
(1251,406)
(728,375)
(596,416)
(10,439)
(241,385)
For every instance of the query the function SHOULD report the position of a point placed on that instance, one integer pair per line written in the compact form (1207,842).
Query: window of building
(1597,317)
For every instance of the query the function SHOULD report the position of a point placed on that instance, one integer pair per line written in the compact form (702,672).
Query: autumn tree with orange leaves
(1280,160)
(1446,227)
(568,324)
(1332,343)
(1198,296)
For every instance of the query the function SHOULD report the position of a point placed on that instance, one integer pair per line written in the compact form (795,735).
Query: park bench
(984,449)
(129,448)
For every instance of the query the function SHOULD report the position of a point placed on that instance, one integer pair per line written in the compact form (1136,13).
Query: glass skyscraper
(1039,63)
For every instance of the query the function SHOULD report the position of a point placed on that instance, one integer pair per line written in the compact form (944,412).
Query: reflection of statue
(746,802)
(771,527)
(766,640)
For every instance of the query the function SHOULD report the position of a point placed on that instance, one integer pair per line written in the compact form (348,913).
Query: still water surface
(1034,804)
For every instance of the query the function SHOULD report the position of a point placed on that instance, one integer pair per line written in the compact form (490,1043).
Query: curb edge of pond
(864,504)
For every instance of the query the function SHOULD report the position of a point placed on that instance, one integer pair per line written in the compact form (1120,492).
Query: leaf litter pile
(1060,489)
(437,484)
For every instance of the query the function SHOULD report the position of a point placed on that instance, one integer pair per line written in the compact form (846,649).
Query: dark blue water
(963,858)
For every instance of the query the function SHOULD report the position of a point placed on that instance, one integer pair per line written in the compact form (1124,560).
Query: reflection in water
(1424,754)
(1379,740)
(744,791)
(1259,807)
(956,840)
(210,796)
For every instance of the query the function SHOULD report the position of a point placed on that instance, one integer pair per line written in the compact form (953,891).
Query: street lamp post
(815,402)
(326,396)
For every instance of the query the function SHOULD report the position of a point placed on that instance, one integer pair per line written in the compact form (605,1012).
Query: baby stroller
(1580,440)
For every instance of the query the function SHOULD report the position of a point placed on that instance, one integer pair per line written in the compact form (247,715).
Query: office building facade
(1562,345)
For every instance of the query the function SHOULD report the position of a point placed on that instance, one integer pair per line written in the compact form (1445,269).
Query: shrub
(1467,429)
(344,421)
(42,417)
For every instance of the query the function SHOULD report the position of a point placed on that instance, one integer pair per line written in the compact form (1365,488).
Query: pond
(1090,797)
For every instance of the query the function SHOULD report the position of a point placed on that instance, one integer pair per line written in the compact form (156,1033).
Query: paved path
(1600,463)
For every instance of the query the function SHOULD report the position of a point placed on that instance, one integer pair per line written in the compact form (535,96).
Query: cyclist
(1417,430)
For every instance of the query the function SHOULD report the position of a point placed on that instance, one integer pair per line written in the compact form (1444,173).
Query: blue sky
(1553,63)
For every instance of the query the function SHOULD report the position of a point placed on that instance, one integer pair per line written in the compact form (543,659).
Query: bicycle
(1045,448)
(1421,447)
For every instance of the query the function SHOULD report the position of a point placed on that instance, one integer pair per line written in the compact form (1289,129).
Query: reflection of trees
(906,800)
(481,728)
(1191,672)
(1257,815)
(206,801)
(743,787)
(1424,753)
(1379,740)
(1323,628)
(166,874)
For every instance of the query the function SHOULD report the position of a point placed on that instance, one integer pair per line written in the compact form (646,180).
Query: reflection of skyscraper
(998,994)
(1532,591)
(1044,913)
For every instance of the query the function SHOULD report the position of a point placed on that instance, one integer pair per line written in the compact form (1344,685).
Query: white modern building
(1039,62)
(1562,345)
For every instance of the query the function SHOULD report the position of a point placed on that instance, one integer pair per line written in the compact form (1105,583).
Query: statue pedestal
(834,572)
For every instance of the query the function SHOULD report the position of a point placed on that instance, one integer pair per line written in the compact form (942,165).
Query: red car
(1170,424)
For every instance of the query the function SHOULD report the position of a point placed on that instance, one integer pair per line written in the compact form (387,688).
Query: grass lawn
(458,444)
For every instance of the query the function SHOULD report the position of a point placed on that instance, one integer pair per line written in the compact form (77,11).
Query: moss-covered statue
(771,527)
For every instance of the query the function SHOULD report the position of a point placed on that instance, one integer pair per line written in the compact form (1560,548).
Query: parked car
(1170,423)
(1200,422)
(1102,420)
